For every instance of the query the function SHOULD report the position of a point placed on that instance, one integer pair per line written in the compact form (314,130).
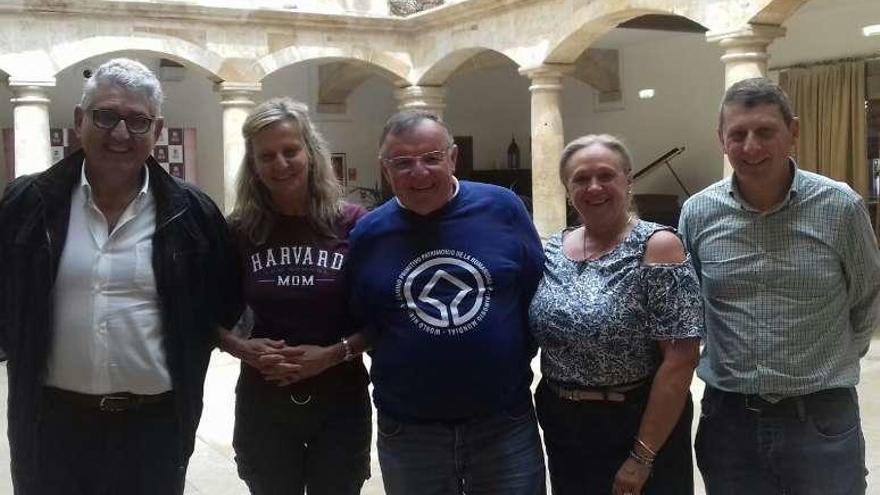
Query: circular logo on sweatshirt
(445,292)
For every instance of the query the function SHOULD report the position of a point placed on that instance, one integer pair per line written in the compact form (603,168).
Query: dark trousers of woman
(302,439)
(588,441)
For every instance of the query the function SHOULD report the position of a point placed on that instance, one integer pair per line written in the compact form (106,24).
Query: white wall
(686,72)
(492,106)
(5,122)
(355,132)
(369,106)
(827,29)
(688,79)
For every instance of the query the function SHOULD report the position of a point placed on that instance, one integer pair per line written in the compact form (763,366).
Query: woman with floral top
(618,316)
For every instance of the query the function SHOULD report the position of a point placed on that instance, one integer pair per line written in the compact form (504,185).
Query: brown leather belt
(117,402)
(615,393)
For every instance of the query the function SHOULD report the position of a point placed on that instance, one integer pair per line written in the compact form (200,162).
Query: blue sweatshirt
(445,297)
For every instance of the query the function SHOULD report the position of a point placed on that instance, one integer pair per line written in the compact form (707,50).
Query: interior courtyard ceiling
(240,44)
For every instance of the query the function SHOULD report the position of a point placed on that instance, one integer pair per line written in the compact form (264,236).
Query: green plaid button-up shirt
(792,295)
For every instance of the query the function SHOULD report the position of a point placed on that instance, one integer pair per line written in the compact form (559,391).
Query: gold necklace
(604,250)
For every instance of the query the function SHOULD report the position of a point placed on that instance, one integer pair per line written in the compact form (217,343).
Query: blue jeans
(500,454)
(805,445)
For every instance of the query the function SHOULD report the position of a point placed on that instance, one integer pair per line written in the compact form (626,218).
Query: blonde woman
(302,414)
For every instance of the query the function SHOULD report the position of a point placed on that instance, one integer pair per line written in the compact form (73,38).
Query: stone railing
(409,7)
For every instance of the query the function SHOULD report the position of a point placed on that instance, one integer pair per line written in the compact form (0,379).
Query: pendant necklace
(597,254)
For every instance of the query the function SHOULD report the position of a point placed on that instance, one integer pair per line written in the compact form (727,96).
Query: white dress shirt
(107,324)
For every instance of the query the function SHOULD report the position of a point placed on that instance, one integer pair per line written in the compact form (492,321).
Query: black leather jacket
(197,279)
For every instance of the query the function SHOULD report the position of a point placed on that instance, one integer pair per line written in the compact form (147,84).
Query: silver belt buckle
(299,402)
(114,403)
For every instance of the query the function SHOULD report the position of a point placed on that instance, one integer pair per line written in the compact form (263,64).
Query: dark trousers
(85,451)
(588,441)
(290,441)
(808,445)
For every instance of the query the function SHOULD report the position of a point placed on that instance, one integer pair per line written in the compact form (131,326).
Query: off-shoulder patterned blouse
(598,321)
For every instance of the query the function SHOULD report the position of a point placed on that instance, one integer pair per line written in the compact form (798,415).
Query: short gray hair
(753,92)
(407,120)
(127,74)
(612,143)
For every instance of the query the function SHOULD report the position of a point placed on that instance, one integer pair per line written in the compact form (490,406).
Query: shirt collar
(793,190)
(454,194)
(87,187)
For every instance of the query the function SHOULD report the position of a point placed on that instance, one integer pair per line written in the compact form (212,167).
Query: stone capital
(547,77)
(429,98)
(238,94)
(15,82)
(30,91)
(745,50)
(748,35)
(420,92)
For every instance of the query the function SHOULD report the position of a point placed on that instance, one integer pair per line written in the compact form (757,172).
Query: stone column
(30,114)
(745,50)
(428,98)
(237,100)
(745,56)
(548,194)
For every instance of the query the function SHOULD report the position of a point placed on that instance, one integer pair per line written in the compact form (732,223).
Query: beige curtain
(829,100)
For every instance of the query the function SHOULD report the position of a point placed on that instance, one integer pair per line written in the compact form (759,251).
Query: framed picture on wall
(339,167)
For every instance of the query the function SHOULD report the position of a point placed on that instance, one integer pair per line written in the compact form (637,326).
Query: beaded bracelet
(644,461)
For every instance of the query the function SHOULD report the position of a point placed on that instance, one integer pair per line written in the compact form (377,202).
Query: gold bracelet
(645,446)
(346,346)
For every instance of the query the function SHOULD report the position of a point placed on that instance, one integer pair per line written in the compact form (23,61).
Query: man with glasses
(113,279)
(442,276)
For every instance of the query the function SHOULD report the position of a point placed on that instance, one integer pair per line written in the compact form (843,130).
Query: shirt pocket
(144,278)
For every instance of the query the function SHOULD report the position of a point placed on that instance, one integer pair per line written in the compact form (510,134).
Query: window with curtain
(872,110)
(839,111)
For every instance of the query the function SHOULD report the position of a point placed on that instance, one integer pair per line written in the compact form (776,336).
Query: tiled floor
(212,468)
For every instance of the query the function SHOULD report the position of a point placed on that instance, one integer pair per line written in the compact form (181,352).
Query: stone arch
(775,12)
(441,70)
(383,64)
(66,55)
(31,65)
(587,25)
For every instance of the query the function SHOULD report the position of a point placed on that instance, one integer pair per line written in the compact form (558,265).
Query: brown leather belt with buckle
(606,394)
(118,402)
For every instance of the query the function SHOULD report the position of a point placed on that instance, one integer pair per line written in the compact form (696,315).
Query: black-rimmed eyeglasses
(108,119)
(408,163)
